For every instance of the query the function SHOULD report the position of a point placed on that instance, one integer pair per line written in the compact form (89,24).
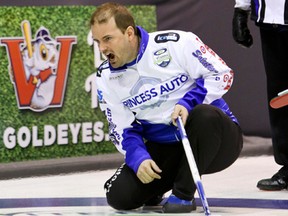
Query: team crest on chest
(162,57)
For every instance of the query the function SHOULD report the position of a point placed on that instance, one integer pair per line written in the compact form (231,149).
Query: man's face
(114,44)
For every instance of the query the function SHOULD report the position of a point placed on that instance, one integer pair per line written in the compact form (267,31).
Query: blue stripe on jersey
(195,96)
(221,104)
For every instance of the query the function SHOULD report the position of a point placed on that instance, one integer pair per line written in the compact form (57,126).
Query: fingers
(148,171)
(181,111)
(175,115)
(145,178)
(154,171)
(155,167)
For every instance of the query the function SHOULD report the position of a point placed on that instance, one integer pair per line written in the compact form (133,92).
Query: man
(272,19)
(148,81)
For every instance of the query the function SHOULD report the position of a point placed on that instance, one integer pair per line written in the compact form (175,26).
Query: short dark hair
(122,16)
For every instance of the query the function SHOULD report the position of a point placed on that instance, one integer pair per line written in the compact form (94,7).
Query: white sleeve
(202,63)
(124,130)
(243,4)
(117,116)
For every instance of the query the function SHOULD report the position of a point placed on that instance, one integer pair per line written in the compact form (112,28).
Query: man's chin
(115,64)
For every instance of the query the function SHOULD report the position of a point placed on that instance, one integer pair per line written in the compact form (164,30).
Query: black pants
(275,57)
(216,142)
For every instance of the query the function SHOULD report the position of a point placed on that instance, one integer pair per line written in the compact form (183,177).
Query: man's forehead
(102,29)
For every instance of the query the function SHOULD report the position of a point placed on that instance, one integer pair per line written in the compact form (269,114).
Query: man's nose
(102,47)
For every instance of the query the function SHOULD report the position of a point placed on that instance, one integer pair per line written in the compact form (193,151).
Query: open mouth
(111,57)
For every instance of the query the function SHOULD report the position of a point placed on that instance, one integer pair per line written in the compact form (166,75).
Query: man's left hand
(181,111)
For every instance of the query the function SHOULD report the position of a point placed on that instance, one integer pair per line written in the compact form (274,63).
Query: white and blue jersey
(172,67)
(266,11)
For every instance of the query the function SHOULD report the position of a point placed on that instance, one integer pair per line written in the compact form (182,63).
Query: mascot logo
(38,67)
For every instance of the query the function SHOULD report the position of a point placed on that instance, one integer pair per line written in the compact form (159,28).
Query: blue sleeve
(134,146)
(195,96)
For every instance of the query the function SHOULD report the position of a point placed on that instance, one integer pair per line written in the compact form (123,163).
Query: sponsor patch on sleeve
(165,37)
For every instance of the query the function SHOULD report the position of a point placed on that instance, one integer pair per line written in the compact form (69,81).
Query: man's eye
(107,38)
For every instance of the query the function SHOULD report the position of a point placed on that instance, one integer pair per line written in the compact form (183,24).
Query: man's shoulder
(168,35)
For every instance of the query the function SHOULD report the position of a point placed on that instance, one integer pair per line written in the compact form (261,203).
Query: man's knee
(121,201)
(203,114)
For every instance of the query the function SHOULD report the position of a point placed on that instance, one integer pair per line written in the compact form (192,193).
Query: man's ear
(130,31)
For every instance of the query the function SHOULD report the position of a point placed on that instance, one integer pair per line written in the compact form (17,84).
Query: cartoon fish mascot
(40,58)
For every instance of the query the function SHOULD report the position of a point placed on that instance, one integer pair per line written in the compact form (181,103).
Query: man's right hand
(240,31)
(148,171)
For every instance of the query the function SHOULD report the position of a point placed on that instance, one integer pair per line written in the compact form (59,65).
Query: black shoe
(176,205)
(154,201)
(279,181)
